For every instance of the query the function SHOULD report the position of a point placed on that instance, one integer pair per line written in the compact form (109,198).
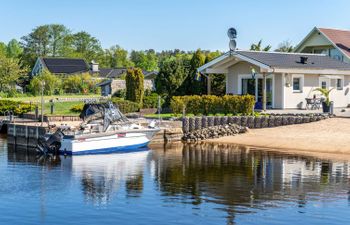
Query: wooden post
(208,85)
(264,92)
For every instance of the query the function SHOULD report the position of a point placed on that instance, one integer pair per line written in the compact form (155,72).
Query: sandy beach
(326,136)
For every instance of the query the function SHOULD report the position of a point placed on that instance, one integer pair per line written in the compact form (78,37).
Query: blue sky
(183,24)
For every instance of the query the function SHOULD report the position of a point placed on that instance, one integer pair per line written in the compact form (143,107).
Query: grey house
(290,77)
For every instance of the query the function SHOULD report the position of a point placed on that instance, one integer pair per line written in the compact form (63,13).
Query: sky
(181,24)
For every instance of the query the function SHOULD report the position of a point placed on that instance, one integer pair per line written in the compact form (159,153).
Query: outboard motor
(51,145)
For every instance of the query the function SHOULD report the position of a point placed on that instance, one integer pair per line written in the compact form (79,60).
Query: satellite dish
(232,33)
(232,45)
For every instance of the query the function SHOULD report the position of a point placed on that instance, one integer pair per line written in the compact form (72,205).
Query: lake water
(204,184)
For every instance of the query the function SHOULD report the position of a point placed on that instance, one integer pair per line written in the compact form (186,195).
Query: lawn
(38,98)
(60,108)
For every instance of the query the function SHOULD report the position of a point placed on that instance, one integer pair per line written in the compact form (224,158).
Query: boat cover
(108,112)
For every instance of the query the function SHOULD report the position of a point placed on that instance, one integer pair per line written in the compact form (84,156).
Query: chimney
(94,66)
(303,59)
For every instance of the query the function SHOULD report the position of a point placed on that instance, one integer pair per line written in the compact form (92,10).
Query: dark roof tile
(292,60)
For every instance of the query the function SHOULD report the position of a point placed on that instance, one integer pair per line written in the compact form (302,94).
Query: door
(254,87)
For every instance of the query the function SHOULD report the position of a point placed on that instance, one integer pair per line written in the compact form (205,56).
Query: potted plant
(327,104)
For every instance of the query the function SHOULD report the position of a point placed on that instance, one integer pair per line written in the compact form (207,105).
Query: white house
(290,77)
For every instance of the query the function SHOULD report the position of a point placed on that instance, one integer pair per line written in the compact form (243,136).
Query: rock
(192,124)
(257,122)
(243,121)
(198,123)
(250,122)
(264,122)
(204,122)
(185,124)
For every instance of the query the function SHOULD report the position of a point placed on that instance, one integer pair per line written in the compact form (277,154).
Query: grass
(60,108)
(38,98)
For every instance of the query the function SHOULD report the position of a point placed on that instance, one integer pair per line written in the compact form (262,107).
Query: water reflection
(242,180)
(235,180)
(103,175)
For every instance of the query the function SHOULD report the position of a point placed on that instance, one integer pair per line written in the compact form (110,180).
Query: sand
(326,136)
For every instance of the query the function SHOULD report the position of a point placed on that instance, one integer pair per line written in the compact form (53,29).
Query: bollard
(185,124)
(204,122)
(198,123)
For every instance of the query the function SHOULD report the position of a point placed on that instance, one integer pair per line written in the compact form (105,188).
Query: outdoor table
(313,103)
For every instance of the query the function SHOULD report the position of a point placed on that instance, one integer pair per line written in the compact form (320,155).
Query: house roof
(340,38)
(271,61)
(292,60)
(111,73)
(65,65)
(104,83)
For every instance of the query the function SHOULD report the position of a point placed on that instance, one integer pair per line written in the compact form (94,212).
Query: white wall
(311,82)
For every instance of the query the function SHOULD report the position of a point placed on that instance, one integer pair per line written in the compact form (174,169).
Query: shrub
(17,108)
(77,108)
(210,104)
(177,104)
(194,104)
(126,106)
(151,101)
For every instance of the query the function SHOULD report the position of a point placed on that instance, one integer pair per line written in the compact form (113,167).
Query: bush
(77,108)
(194,104)
(177,104)
(211,104)
(151,101)
(17,108)
(120,94)
(126,106)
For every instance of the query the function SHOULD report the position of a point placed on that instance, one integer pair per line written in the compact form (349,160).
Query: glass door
(268,92)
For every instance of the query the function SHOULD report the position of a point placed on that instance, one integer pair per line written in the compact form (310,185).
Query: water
(204,184)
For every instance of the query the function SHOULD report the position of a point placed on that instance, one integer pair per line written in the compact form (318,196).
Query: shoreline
(331,136)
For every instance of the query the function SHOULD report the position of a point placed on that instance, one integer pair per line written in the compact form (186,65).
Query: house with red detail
(332,42)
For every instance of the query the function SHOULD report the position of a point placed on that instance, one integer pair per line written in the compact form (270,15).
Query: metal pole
(264,92)
(159,108)
(42,102)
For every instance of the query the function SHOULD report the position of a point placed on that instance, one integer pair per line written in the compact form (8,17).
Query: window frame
(341,82)
(301,82)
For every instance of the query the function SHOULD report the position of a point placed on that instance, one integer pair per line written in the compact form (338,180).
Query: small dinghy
(104,130)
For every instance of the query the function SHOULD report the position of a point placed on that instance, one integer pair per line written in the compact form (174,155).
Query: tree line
(177,68)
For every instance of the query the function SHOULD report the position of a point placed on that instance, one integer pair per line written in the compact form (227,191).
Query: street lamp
(42,101)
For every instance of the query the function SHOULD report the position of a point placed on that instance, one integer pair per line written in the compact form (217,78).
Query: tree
(146,60)
(171,76)
(116,57)
(2,49)
(58,33)
(11,70)
(134,85)
(86,46)
(285,46)
(45,40)
(192,86)
(52,83)
(79,83)
(258,47)
(14,49)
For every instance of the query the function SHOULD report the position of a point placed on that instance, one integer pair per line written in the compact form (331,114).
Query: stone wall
(252,122)
(117,85)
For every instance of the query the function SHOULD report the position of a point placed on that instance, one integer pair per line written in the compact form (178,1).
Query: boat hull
(120,142)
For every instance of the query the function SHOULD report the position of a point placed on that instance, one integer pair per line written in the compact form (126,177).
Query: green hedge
(15,107)
(211,104)
(126,106)
(151,101)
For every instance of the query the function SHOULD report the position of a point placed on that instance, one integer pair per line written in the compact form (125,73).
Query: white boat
(104,130)
(122,139)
